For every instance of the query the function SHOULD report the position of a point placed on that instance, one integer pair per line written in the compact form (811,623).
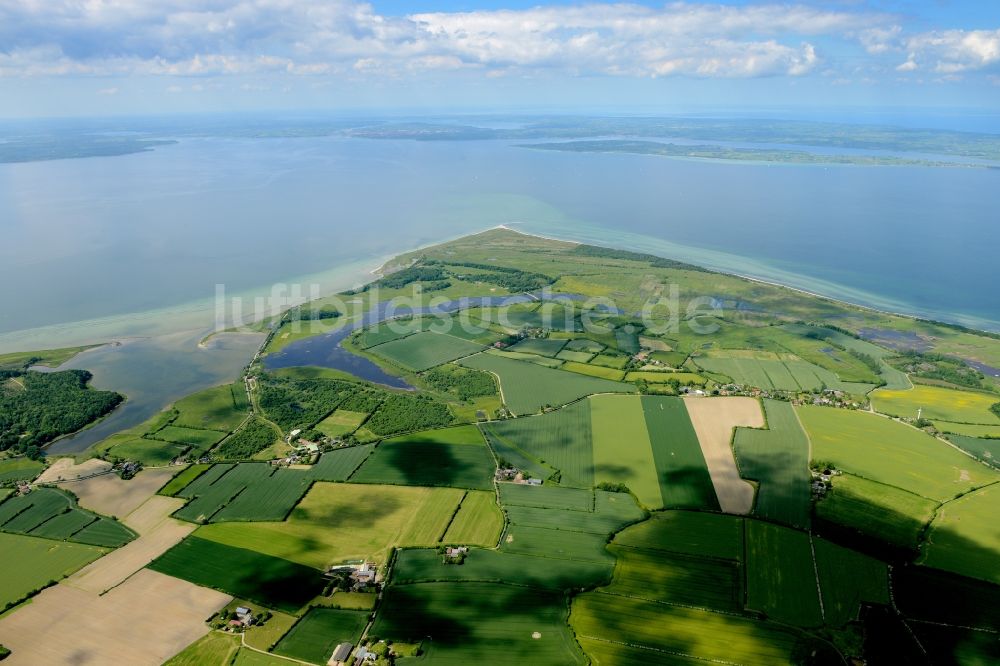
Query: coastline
(775,283)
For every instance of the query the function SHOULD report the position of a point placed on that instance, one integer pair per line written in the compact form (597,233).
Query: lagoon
(132,247)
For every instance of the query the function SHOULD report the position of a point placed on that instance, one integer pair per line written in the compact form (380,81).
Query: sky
(113,57)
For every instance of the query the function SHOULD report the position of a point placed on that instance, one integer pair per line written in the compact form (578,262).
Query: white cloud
(108,91)
(344,37)
(952,51)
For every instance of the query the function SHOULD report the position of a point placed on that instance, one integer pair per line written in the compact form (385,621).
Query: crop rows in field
(779,374)
(778,459)
(315,636)
(271,581)
(53,514)
(259,491)
(644,442)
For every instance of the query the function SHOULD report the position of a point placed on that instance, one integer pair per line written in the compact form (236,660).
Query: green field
(341,422)
(679,579)
(778,459)
(29,563)
(417,565)
(936,402)
(984,450)
(622,450)
(463,623)
(537,359)
(584,345)
(248,574)
(317,634)
(213,649)
(540,346)
(559,440)
(847,580)
(876,510)
(654,377)
(527,387)
(51,513)
(556,544)
(783,373)
(220,408)
(610,361)
(594,370)
(338,522)
(422,351)
(547,497)
(246,491)
(968,429)
(674,631)
(680,465)
(564,509)
(781,578)
(339,464)
(576,356)
(709,535)
(890,452)
(388,331)
(200,440)
(19,469)
(478,521)
(456,457)
(964,538)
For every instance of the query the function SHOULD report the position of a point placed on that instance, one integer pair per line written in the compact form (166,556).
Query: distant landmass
(740,154)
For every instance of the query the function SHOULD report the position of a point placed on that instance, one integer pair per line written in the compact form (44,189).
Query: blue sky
(64,57)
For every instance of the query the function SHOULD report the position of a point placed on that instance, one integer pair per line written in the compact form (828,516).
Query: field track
(157,534)
(109,495)
(63,469)
(714,420)
(146,620)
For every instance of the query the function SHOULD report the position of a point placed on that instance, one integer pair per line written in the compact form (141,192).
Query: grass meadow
(890,452)
(29,563)
(422,351)
(462,623)
(527,387)
(479,520)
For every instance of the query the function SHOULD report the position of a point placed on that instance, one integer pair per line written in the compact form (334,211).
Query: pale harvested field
(714,420)
(147,620)
(63,469)
(109,495)
(157,534)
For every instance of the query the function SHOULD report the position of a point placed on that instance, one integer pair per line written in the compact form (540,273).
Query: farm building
(340,654)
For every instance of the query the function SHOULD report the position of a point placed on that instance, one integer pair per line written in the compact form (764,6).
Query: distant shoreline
(771,283)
